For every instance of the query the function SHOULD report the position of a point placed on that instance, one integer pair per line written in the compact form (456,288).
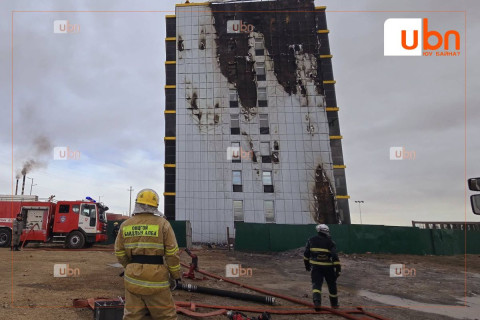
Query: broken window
(237,180)
(267,181)
(234,124)
(264,129)
(269,211)
(259,50)
(262,97)
(233,97)
(238,210)
(260,70)
(265,152)
(235,152)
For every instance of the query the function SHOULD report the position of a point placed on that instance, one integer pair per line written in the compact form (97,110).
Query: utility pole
(360,208)
(31,186)
(130,210)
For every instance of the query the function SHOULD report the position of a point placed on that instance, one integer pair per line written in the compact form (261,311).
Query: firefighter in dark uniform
(17,230)
(321,259)
(116,228)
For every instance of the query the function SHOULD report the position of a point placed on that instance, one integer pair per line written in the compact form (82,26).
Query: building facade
(251,118)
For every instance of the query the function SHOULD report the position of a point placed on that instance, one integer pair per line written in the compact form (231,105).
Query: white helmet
(323,228)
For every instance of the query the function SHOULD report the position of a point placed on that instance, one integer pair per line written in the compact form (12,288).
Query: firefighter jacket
(321,251)
(147,248)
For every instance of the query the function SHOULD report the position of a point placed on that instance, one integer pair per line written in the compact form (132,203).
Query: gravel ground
(438,290)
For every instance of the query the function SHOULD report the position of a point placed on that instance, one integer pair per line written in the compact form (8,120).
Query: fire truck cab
(76,224)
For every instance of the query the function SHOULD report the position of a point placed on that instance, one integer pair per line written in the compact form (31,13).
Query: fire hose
(26,236)
(291,299)
(230,294)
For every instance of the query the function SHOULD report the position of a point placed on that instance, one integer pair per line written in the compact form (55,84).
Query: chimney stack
(23,184)
(16,188)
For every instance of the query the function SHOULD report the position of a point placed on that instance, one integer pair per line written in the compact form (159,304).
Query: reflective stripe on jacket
(321,250)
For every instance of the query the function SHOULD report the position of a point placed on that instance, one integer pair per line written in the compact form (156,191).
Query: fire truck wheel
(75,240)
(5,237)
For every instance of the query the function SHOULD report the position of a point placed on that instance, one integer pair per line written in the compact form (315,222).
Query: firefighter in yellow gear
(147,248)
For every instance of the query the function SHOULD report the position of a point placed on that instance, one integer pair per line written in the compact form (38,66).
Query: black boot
(15,248)
(334,302)
(317,300)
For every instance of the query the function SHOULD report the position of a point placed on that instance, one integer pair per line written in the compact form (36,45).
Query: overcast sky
(100,92)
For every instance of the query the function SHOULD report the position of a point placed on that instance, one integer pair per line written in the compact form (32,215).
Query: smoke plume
(38,156)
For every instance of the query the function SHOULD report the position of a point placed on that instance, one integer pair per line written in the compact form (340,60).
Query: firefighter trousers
(159,306)
(318,274)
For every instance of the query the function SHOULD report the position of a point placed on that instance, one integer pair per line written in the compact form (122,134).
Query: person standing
(147,248)
(116,228)
(17,230)
(321,259)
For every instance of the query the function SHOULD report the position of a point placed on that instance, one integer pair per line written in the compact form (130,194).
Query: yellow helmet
(148,197)
(115,223)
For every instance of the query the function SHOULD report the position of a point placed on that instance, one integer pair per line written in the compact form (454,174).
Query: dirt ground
(438,290)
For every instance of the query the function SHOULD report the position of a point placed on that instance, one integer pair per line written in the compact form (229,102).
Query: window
(88,210)
(235,152)
(264,129)
(267,181)
(64,208)
(265,152)
(260,70)
(234,124)
(259,51)
(269,211)
(233,97)
(237,180)
(76,208)
(238,210)
(262,97)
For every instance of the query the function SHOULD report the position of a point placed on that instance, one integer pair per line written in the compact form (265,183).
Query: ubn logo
(236,270)
(237,153)
(63,26)
(237,26)
(64,153)
(399,270)
(399,153)
(64,270)
(411,37)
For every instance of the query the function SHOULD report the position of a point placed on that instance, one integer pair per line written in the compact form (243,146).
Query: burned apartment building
(251,118)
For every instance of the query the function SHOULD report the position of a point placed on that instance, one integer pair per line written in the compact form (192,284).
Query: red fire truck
(77,224)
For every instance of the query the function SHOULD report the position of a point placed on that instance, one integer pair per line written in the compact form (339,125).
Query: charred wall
(288,28)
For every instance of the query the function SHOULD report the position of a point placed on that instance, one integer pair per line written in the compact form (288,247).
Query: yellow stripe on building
(170,86)
(323,31)
(336,137)
(170,111)
(339,166)
(343,197)
(169,193)
(332,109)
(329,82)
(169,165)
(171,39)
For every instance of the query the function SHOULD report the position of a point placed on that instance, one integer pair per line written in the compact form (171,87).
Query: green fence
(358,239)
(181,228)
